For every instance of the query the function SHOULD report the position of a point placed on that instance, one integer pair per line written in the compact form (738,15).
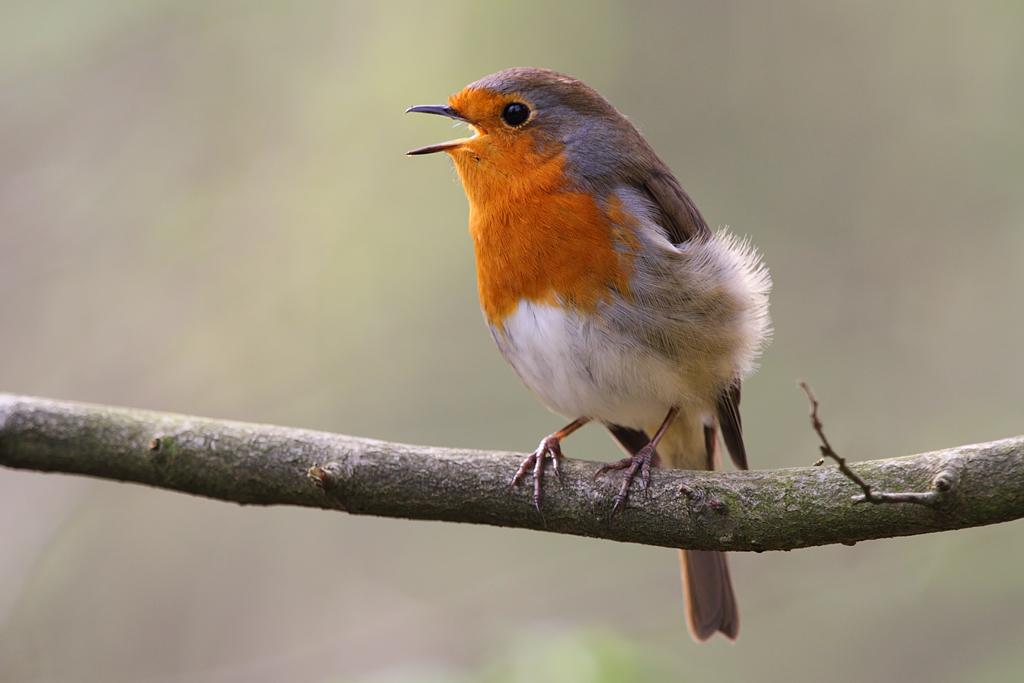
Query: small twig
(827,451)
(943,483)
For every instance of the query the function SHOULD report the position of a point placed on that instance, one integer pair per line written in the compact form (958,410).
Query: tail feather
(710,601)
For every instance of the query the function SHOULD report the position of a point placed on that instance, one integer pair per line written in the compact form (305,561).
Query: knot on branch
(325,476)
(702,499)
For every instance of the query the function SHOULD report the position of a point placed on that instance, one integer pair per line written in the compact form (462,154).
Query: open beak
(440,110)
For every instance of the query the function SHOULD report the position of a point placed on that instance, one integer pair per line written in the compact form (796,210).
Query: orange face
(498,151)
(537,238)
(500,159)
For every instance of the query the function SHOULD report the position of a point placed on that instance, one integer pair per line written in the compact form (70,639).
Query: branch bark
(266,465)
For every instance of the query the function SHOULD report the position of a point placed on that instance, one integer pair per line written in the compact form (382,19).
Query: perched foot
(641,462)
(549,447)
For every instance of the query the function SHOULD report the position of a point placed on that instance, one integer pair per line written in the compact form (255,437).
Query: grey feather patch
(677,213)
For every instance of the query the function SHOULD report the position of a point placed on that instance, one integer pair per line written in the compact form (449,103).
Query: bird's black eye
(515,113)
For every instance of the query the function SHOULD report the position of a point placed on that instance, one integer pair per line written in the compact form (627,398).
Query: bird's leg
(641,461)
(550,446)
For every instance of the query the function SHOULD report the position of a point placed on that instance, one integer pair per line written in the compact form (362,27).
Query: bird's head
(524,118)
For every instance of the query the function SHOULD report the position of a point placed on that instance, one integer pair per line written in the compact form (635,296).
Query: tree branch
(266,465)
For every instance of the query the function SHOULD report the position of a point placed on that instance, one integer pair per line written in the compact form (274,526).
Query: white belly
(580,368)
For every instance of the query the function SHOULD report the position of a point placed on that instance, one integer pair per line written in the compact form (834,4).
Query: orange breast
(535,239)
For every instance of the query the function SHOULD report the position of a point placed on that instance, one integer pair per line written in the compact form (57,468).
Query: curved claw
(642,462)
(617,465)
(538,475)
(558,468)
(527,464)
(549,448)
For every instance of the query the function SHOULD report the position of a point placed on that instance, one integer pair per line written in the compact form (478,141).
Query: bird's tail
(710,601)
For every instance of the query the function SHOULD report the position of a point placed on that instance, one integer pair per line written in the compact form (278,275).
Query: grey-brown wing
(732,427)
(677,213)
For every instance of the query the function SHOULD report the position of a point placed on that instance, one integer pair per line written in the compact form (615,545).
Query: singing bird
(606,291)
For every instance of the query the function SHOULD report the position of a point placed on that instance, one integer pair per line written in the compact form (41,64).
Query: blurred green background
(206,208)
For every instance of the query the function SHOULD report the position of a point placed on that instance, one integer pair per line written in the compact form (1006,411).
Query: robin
(606,291)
